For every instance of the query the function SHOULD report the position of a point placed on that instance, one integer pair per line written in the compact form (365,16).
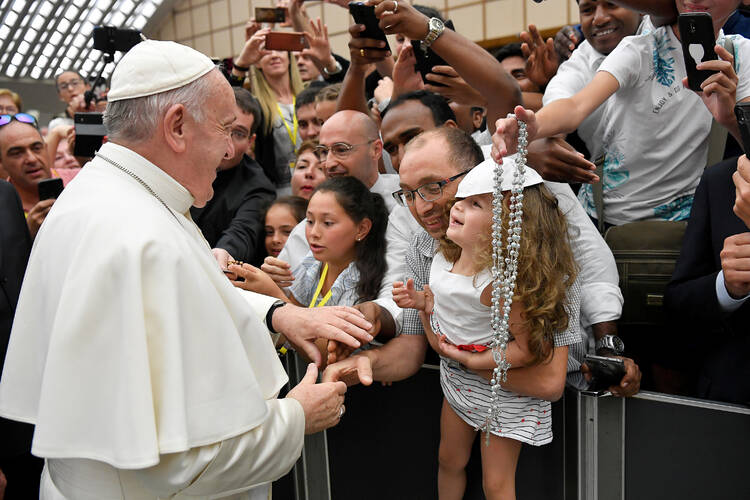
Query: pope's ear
(173,127)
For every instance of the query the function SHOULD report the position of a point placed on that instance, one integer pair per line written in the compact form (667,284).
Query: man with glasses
(23,155)
(232,221)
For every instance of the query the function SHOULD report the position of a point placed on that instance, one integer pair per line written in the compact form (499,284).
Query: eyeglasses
(19,117)
(75,82)
(428,192)
(339,149)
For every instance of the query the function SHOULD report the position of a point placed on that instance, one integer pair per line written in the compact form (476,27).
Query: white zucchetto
(155,66)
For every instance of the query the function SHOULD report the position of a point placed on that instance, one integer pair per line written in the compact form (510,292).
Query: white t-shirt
(655,131)
(572,76)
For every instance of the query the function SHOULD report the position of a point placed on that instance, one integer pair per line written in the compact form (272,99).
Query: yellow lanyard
(320,287)
(292,134)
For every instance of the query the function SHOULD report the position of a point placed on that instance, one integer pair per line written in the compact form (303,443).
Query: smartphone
(427,59)
(698,41)
(606,371)
(90,132)
(270,14)
(742,112)
(285,40)
(49,188)
(365,14)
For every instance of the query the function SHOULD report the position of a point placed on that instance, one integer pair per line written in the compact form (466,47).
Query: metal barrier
(604,448)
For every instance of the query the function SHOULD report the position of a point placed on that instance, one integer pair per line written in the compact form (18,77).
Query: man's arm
(398,359)
(474,64)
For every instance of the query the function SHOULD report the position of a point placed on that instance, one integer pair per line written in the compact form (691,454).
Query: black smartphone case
(696,28)
(49,188)
(365,14)
(742,112)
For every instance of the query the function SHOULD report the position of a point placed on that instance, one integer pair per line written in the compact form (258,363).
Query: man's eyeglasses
(339,149)
(428,192)
(71,84)
(19,117)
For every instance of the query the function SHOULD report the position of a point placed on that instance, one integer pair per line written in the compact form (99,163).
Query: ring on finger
(342,410)
(362,52)
(395,6)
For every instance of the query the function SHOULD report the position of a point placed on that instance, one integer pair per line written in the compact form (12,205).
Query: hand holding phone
(286,41)
(270,15)
(365,15)
(606,371)
(698,41)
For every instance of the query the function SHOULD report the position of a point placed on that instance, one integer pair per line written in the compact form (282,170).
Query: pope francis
(146,373)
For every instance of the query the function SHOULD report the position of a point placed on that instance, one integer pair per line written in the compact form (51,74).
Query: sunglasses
(19,117)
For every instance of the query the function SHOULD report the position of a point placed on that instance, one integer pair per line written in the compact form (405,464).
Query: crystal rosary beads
(504,270)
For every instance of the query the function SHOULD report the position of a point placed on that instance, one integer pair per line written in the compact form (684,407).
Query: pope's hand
(302,326)
(322,403)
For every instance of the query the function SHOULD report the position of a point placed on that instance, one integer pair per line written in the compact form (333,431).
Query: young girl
(459,298)
(655,132)
(280,218)
(346,231)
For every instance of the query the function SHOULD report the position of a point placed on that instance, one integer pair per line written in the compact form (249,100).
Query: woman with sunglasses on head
(275,82)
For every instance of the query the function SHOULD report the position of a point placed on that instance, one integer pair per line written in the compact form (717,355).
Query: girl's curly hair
(546,267)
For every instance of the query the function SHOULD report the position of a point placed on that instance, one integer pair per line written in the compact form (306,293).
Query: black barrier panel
(675,451)
(386,447)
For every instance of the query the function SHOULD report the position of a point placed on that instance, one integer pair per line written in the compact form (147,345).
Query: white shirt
(727,303)
(572,76)
(143,369)
(655,131)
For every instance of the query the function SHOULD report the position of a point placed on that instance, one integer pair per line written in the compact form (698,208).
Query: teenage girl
(458,302)
(345,228)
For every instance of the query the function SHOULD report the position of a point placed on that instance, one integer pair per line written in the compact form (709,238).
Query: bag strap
(598,189)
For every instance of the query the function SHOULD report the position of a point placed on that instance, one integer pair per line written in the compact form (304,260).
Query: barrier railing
(604,448)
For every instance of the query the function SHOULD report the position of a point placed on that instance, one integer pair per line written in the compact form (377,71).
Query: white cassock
(146,373)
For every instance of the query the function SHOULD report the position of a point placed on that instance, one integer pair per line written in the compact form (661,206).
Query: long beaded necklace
(504,271)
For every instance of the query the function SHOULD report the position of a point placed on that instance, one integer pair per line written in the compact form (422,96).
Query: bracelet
(269,315)
(241,68)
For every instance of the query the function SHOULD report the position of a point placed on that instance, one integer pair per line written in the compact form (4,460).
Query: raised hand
(407,297)
(505,138)
(541,58)
(566,41)
(556,160)
(719,91)
(319,46)
(455,88)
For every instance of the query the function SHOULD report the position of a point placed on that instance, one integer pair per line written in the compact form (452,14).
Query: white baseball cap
(155,66)
(481,179)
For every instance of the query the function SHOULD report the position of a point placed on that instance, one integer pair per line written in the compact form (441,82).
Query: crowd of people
(343,207)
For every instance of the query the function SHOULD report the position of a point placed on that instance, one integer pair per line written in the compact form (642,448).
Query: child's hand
(406,297)
(720,89)
(429,299)
(505,138)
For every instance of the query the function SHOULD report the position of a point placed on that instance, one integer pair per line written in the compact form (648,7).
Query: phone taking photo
(286,41)
(270,14)
(365,15)
(49,188)
(428,59)
(698,41)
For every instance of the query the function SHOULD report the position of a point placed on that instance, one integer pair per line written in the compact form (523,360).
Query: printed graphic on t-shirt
(677,209)
(663,60)
(613,176)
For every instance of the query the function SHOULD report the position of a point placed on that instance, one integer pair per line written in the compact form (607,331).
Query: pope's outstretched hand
(302,326)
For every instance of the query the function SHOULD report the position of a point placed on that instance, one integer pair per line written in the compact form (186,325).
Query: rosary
(504,270)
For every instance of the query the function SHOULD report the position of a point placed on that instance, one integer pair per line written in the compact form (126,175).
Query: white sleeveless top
(458,311)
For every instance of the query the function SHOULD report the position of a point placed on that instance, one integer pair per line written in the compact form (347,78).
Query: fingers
(312,352)
(311,375)
(410,285)
(631,382)
(444,70)
(364,370)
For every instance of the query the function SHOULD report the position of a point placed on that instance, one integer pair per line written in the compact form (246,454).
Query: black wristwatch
(269,315)
(611,343)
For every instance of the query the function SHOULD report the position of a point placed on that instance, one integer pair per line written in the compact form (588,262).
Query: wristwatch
(611,342)
(436,27)
(269,315)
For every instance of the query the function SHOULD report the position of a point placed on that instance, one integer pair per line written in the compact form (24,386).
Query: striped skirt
(522,418)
